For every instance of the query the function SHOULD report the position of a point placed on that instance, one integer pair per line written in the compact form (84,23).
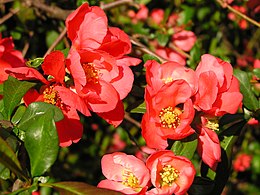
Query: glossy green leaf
(162,39)
(18,114)
(10,161)
(36,110)
(80,188)
(140,109)
(14,90)
(185,147)
(41,138)
(249,100)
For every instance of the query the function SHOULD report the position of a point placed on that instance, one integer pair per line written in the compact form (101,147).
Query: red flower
(184,39)
(170,174)
(208,143)
(98,64)
(9,57)
(124,173)
(54,92)
(218,90)
(158,75)
(157,15)
(242,162)
(169,114)
(171,55)
(87,27)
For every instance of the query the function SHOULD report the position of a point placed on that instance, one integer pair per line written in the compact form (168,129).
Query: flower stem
(225,5)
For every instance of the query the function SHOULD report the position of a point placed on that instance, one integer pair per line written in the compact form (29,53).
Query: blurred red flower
(242,162)
(9,57)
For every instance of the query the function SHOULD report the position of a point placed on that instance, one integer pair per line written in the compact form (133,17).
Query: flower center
(168,175)
(213,124)
(129,179)
(170,117)
(167,80)
(92,74)
(51,96)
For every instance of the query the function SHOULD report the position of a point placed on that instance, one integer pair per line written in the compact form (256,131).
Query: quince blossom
(98,63)
(55,92)
(170,174)
(124,173)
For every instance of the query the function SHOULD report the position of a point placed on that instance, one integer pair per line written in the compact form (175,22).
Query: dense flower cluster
(97,64)
(162,173)
(173,94)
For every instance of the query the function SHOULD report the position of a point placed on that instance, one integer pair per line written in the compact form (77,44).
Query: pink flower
(9,57)
(170,174)
(218,90)
(140,15)
(171,55)
(124,173)
(169,114)
(157,15)
(208,143)
(184,40)
(158,75)
(242,162)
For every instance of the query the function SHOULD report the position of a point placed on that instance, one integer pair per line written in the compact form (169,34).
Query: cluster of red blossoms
(180,102)
(96,62)
(165,172)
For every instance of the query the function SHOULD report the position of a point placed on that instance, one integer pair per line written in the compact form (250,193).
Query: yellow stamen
(51,96)
(129,179)
(168,175)
(167,80)
(170,117)
(213,124)
(92,74)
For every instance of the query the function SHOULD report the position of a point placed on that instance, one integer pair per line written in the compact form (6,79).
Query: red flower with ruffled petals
(169,114)
(208,143)
(9,57)
(170,174)
(124,173)
(54,92)
(87,27)
(218,90)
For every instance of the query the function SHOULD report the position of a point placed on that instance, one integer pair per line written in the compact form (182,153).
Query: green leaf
(162,38)
(10,161)
(140,109)
(185,147)
(41,138)
(80,188)
(18,114)
(36,110)
(249,100)
(14,90)
(35,62)
(256,72)
(147,57)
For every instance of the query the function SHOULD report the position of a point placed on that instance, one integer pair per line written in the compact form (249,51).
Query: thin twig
(56,42)
(130,119)
(177,49)
(143,48)
(9,15)
(225,5)
(115,4)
